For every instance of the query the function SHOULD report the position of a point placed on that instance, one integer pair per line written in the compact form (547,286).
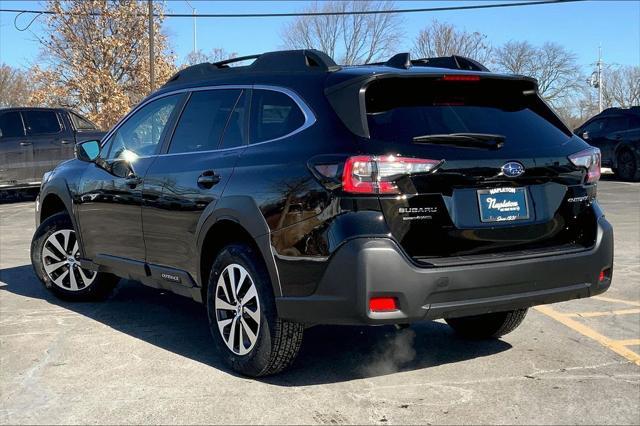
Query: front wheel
(488,326)
(55,254)
(242,315)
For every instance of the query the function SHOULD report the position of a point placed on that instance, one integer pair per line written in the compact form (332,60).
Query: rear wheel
(55,254)
(242,315)
(627,166)
(488,326)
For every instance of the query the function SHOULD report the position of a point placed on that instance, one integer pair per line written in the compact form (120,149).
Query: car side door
(109,195)
(46,132)
(190,176)
(16,153)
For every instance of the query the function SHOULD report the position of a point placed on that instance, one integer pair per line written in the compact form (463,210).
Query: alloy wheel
(237,309)
(626,164)
(60,259)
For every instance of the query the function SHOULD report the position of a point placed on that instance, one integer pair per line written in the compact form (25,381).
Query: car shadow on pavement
(329,353)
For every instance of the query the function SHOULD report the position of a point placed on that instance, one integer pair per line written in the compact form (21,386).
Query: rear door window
(11,125)
(41,122)
(273,115)
(398,111)
(204,120)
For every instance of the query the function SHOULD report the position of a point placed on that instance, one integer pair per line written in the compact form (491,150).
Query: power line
(329,13)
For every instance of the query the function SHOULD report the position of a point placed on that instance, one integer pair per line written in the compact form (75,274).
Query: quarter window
(41,122)
(81,123)
(142,132)
(204,120)
(11,125)
(274,114)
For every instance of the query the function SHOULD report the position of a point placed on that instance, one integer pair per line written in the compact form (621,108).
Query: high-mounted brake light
(365,174)
(589,159)
(457,77)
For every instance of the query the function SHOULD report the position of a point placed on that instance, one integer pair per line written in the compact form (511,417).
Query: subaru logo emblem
(512,169)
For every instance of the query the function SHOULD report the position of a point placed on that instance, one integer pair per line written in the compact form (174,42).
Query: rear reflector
(605,274)
(365,174)
(383,304)
(588,159)
(456,77)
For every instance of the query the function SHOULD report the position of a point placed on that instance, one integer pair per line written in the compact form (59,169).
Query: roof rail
(304,60)
(455,62)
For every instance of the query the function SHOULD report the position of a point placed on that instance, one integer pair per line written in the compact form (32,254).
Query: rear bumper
(364,268)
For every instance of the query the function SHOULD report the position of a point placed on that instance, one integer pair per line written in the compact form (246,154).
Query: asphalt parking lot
(145,356)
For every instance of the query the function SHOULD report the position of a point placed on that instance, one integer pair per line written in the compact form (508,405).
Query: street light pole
(152,59)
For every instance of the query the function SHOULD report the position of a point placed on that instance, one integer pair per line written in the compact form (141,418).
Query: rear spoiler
(348,97)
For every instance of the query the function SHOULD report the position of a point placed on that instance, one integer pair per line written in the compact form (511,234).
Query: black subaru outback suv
(293,191)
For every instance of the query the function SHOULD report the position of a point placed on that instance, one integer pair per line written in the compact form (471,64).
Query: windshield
(398,112)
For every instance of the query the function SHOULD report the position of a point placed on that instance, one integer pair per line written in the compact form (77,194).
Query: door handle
(132,181)
(25,143)
(65,142)
(208,178)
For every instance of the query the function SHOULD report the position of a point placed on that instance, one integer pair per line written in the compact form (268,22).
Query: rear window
(401,109)
(41,122)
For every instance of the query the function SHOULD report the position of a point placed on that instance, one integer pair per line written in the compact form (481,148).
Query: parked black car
(616,132)
(293,192)
(34,141)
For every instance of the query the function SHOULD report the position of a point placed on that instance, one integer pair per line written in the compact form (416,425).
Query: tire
(242,315)
(488,326)
(54,253)
(627,166)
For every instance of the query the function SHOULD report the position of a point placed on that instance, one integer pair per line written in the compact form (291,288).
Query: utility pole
(600,78)
(596,80)
(152,56)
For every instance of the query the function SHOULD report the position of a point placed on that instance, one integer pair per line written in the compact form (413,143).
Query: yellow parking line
(603,313)
(628,342)
(591,333)
(610,299)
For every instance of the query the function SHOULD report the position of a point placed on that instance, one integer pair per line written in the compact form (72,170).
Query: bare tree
(558,74)
(516,57)
(351,39)
(621,87)
(95,57)
(216,54)
(443,39)
(15,89)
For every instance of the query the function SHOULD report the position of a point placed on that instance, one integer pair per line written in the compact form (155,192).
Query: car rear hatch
(497,180)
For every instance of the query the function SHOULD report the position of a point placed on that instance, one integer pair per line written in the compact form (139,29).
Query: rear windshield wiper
(465,140)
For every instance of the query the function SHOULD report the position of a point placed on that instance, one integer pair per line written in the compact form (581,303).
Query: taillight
(365,174)
(589,159)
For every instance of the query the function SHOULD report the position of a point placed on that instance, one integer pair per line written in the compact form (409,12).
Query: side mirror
(585,135)
(123,166)
(88,150)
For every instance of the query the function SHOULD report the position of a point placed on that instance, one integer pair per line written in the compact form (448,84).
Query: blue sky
(580,27)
